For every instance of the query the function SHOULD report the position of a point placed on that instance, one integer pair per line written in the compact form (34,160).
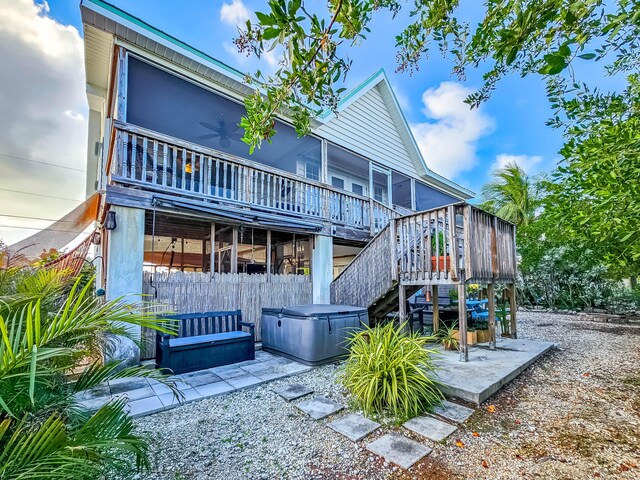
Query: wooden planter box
(472,337)
(483,336)
(439,261)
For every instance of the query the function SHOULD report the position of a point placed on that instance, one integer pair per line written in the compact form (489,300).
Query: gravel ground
(574,414)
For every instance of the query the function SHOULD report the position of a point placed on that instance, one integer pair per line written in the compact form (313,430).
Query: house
(184,203)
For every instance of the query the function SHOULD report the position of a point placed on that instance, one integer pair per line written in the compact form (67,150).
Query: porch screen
(401,190)
(350,171)
(428,198)
(168,104)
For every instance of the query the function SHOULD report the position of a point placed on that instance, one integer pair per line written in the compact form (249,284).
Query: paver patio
(146,396)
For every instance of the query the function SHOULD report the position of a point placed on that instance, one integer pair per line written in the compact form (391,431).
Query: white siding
(367,127)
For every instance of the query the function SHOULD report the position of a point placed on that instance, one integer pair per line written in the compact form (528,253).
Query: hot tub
(311,334)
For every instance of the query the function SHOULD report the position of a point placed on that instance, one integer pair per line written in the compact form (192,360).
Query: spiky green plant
(448,336)
(391,371)
(49,327)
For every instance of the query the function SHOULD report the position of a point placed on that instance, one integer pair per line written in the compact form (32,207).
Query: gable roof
(100,17)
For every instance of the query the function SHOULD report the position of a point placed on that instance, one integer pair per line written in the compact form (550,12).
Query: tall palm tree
(511,195)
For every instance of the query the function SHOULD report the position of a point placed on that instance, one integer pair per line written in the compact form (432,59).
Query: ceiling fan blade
(208,126)
(208,136)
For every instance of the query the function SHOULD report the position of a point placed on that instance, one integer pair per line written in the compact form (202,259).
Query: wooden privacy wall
(186,292)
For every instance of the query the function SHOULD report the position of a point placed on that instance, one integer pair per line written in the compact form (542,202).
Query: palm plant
(389,370)
(511,195)
(49,326)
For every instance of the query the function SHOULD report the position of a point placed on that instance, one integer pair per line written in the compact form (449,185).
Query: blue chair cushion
(210,338)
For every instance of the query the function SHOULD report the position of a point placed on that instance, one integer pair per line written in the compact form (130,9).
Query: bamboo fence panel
(186,292)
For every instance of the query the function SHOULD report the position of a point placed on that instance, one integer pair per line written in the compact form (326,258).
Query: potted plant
(438,257)
(448,336)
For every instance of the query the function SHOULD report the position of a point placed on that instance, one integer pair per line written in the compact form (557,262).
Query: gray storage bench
(205,340)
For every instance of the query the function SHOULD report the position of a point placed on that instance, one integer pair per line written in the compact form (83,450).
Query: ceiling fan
(224,130)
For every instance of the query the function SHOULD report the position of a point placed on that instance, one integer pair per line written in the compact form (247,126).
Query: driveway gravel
(574,414)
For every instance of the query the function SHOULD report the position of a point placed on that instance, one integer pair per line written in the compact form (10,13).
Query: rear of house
(191,218)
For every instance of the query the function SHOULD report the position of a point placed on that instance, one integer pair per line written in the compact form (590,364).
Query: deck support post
(512,309)
(402,304)
(436,308)
(491,306)
(462,322)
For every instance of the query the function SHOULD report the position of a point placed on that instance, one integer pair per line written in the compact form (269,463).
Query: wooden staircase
(455,244)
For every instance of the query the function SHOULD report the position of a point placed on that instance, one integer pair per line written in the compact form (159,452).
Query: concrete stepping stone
(293,391)
(353,426)
(453,411)
(398,449)
(319,407)
(430,427)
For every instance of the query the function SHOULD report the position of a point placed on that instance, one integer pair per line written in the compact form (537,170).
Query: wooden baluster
(125,153)
(165,159)
(208,180)
(154,174)
(437,254)
(225,193)
(422,249)
(183,176)
(174,172)
(134,155)
(143,169)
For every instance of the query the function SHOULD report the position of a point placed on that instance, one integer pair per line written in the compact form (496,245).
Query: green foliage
(50,326)
(441,243)
(447,336)
(511,195)
(542,38)
(390,371)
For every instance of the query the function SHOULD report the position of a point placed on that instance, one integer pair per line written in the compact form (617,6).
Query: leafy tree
(595,194)
(512,195)
(543,37)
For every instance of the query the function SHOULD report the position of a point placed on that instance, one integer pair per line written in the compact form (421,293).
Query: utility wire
(40,195)
(42,163)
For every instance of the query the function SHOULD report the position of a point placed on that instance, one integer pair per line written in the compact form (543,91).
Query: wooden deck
(164,166)
(453,245)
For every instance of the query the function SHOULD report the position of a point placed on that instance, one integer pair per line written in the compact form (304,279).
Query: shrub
(50,326)
(390,371)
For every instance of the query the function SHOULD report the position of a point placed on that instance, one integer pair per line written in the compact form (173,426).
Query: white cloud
(529,163)
(448,141)
(42,117)
(235,13)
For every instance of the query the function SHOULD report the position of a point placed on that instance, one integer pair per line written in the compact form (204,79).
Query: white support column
(125,254)
(322,268)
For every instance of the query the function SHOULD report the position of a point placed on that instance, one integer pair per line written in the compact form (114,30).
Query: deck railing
(160,161)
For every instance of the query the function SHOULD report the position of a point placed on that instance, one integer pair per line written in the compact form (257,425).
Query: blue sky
(43,107)
(517,111)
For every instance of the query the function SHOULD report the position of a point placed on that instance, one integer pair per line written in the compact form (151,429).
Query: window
(381,186)
(166,103)
(357,189)
(401,190)
(347,166)
(428,198)
(337,182)
(312,170)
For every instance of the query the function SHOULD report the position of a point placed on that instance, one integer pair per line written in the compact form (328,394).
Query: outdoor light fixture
(110,221)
